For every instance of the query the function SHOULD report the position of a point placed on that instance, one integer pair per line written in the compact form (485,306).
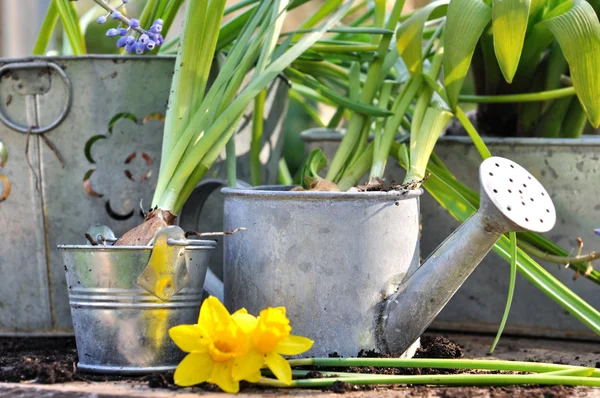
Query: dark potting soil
(51,360)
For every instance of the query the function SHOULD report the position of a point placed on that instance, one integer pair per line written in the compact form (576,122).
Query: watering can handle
(188,221)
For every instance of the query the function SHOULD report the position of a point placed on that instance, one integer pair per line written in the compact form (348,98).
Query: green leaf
(433,124)
(315,163)
(46,30)
(511,288)
(409,36)
(210,138)
(339,99)
(70,23)
(257,134)
(578,33)
(509,25)
(465,22)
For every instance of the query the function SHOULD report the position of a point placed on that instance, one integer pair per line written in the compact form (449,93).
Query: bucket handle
(212,284)
(65,109)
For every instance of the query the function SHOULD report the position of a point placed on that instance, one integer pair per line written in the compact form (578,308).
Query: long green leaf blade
(46,30)
(409,36)
(578,33)
(434,123)
(511,288)
(220,131)
(509,25)
(465,22)
(349,103)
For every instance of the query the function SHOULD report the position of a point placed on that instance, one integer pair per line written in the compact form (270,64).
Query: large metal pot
(101,167)
(119,327)
(569,169)
(328,257)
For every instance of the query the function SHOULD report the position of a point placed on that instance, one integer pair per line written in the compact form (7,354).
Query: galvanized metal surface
(505,189)
(97,173)
(568,169)
(329,258)
(119,327)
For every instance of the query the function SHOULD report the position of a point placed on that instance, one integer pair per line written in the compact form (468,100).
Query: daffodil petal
(293,345)
(221,376)
(247,365)
(190,338)
(280,367)
(194,369)
(254,378)
(245,321)
(213,312)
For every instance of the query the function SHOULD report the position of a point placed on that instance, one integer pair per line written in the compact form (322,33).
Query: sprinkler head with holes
(512,200)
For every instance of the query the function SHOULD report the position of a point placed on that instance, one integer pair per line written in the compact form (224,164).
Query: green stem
(449,380)
(484,152)
(70,26)
(231,160)
(46,30)
(357,170)
(239,5)
(483,364)
(308,108)
(370,88)
(511,288)
(399,108)
(574,122)
(284,177)
(528,97)
(534,251)
(257,133)
(463,119)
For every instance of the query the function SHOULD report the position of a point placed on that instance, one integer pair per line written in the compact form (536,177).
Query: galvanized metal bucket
(569,170)
(92,156)
(329,257)
(119,327)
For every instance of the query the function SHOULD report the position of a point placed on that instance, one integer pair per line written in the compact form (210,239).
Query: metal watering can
(346,265)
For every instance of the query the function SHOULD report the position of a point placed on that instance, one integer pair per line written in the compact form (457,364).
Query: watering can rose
(226,348)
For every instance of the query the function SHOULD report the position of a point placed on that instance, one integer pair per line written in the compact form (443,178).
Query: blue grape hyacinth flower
(122,42)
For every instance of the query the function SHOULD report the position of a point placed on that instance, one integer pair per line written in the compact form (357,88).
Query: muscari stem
(122,18)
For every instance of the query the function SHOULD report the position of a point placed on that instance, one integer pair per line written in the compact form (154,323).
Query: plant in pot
(535,114)
(96,115)
(126,295)
(563,165)
(341,259)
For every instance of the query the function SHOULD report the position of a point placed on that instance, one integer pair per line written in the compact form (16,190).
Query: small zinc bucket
(119,327)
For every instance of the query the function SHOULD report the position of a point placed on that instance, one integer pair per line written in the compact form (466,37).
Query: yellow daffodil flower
(216,345)
(270,338)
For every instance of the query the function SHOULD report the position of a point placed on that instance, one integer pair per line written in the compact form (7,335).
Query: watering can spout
(512,200)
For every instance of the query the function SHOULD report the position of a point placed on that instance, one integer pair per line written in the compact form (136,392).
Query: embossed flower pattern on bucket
(127,153)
